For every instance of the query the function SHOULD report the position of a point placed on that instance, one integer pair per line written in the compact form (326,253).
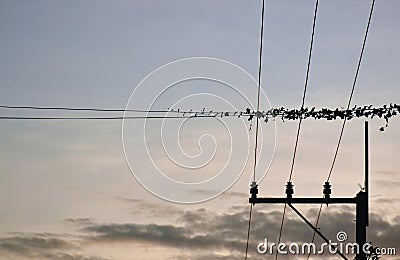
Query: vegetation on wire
(385,112)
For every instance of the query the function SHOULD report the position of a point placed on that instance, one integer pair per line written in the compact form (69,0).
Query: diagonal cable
(258,91)
(348,106)
(257,118)
(301,109)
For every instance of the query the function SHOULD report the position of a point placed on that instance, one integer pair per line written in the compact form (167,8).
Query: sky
(80,189)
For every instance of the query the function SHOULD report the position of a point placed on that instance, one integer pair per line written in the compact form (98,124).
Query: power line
(81,109)
(302,107)
(101,109)
(348,106)
(305,87)
(170,110)
(248,231)
(257,119)
(281,228)
(258,91)
(101,118)
(353,87)
(385,112)
(190,113)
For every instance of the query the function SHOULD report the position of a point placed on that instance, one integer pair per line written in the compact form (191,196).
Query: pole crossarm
(303,200)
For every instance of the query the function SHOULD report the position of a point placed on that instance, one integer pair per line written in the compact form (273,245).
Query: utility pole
(360,201)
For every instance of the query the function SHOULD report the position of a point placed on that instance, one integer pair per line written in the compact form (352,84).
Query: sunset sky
(66,189)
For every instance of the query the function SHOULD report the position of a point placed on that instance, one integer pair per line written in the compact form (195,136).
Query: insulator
(327,190)
(289,189)
(253,190)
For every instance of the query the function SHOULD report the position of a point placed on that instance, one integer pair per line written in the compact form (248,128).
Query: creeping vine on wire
(385,112)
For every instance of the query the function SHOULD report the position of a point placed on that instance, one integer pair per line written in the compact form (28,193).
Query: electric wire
(258,91)
(257,119)
(101,118)
(248,232)
(386,112)
(302,107)
(348,106)
(353,86)
(183,114)
(176,111)
(305,87)
(281,228)
(85,109)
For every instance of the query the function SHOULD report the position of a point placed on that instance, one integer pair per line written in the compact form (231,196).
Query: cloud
(149,209)
(201,233)
(388,173)
(40,246)
(208,256)
(224,235)
(33,241)
(164,235)
(80,221)
(388,183)
(384,201)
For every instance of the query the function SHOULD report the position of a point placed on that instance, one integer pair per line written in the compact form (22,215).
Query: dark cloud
(149,209)
(203,234)
(25,243)
(201,230)
(204,231)
(236,194)
(128,200)
(80,221)
(164,235)
(384,233)
(213,256)
(40,246)
(384,201)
